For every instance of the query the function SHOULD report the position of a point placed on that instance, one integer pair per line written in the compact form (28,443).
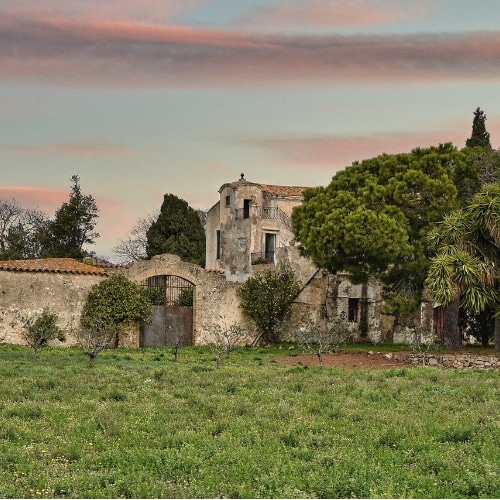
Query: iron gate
(172,298)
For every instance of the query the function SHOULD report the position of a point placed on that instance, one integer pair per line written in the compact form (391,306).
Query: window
(228,200)
(218,244)
(270,245)
(246,208)
(353,313)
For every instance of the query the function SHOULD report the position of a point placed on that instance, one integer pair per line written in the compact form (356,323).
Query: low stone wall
(463,361)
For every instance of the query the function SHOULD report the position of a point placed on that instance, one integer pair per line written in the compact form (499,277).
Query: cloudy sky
(146,97)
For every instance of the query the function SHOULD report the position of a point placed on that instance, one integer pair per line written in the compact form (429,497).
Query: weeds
(185,429)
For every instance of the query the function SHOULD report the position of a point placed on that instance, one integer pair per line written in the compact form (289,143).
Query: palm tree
(464,269)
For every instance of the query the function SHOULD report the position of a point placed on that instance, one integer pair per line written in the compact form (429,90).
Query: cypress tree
(480,137)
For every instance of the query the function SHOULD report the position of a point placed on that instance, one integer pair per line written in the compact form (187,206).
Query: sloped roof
(57,265)
(269,188)
(284,190)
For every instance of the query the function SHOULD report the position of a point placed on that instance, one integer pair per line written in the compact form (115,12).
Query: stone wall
(464,361)
(24,295)
(215,299)
(322,298)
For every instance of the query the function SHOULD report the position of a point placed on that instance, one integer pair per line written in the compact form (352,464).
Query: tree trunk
(497,333)
(320,358)
(482,318)
(452,338)
(92,356)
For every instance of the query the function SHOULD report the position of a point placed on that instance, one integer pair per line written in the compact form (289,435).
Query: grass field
(141,425)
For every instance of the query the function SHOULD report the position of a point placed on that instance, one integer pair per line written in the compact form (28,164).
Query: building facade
(246,226)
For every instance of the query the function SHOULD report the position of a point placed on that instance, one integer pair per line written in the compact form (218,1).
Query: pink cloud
(103,54)
(46,200)
(154,11)
(339,152)
(338,13)
(101,149)
(115,219)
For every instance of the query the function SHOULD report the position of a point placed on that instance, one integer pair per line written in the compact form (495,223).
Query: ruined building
(248,229)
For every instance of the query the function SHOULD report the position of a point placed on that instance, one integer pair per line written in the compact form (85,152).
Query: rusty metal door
(172,299)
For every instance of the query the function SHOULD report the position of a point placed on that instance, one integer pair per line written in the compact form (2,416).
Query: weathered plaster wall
(25,295)
(215,299)
(213,225)
(236,241)
(324,296)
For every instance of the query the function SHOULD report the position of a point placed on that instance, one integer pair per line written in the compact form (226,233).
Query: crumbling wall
(215,298)
(323,297)
(24,295)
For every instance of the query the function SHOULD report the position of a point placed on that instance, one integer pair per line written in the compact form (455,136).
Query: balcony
(262,258)
(264,213)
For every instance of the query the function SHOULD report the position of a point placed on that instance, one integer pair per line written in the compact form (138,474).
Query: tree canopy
(22,231)
(479,136)
(372,218)
(467,244)
(177,230)
(73,225)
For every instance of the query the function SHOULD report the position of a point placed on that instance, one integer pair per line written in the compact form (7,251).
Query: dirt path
(371,359)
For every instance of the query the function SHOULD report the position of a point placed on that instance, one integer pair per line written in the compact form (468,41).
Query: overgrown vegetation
(142,426)
(266,299)
(316,340)
(39,331)
(111,305)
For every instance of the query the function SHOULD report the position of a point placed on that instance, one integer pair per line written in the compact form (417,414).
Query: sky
(141,98)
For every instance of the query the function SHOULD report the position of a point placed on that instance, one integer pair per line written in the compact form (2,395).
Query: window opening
(246,209)
(218,244)
(270,245)
(353,312)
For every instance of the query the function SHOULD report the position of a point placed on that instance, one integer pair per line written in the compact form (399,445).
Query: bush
(266,298)
(43,329)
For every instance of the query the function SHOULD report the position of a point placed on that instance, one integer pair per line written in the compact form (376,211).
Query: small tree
(420,339)
(314,339)
(223,338)
(266,298)
(73,225)
(479,137)
(113,303)
(95,338)
(37,333)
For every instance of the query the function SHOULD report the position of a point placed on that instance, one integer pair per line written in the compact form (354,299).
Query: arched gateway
(173,300)
(173,287)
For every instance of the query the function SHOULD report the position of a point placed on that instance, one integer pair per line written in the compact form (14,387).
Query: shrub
(37,333)
(266,298)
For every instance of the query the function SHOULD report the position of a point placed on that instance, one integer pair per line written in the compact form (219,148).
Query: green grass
(141,425)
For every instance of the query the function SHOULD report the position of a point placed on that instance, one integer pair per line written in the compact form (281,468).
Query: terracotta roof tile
(284,190)
(58,265)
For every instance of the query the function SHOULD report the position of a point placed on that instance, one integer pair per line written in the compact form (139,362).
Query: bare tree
(318,340)
(95,339)
(223,338)
(134,246)
(21,231)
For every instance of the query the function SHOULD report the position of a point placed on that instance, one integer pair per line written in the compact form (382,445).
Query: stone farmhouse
(248,229)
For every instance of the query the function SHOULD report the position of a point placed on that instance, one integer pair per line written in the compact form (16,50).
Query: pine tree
(480,137)
(73,225)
